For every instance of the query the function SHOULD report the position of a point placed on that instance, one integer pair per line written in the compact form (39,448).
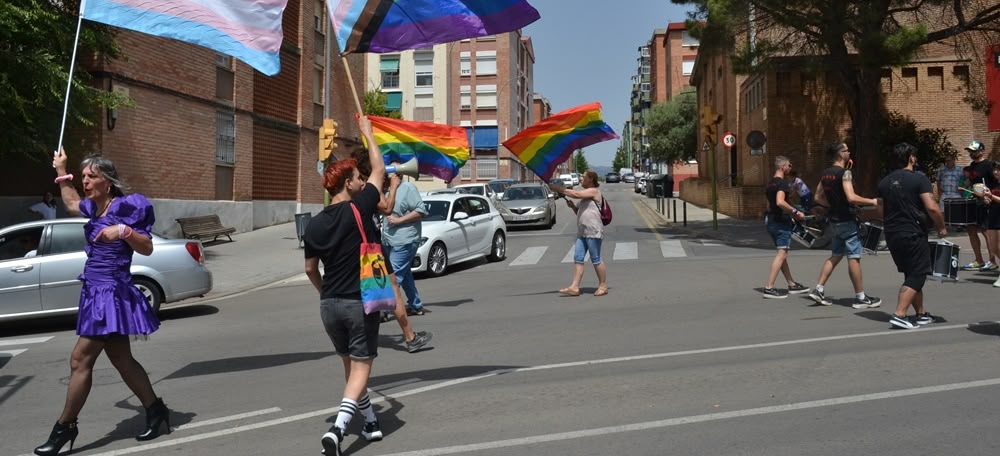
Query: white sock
(860,295)
(347,410)
(365,405)
(819,288)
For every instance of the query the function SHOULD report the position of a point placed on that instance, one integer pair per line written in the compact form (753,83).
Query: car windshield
(477,190)
(524,193)
(436,211)
(499,187)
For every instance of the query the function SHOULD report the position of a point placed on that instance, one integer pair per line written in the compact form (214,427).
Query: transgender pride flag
(249,30)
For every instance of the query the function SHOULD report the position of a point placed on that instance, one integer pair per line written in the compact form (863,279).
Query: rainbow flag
(546,144)
(249,30)
(440,150)
(397,25)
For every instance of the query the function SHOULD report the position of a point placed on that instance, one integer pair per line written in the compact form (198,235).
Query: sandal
(570,291)
(601,291)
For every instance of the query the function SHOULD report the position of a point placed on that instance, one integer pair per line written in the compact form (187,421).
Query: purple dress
(109,303)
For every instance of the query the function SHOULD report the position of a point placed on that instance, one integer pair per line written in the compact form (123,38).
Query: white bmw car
(459,227)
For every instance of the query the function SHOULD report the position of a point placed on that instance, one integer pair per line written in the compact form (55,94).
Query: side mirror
(459,216)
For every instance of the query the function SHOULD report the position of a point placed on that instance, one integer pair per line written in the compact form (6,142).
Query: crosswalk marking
(626,251)
(569,255)
(24,341)
(12,353)
(672,248)
(531,255)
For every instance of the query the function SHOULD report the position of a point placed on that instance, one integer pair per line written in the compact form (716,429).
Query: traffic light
(709,121)
(326,134)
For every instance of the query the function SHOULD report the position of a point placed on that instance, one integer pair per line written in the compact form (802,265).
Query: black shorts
(910,252)
(993,217)
(353,332)
(983,215)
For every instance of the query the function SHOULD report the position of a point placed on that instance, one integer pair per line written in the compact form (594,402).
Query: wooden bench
(203,227)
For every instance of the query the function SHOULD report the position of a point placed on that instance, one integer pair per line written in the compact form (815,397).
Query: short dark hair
(833,149)
(901,154)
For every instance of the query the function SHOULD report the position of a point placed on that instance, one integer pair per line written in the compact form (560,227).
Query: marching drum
(803,234)
(944,259)
(871,236)
(959,211)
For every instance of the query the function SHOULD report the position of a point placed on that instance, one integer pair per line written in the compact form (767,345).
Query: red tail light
(194,248)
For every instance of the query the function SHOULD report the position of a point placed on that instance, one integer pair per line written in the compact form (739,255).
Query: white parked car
(459,227)
(576,178)
(640,181)
(567,179)
(479,189)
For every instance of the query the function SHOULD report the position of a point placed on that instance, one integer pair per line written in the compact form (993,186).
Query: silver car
(528,205)
(40,262)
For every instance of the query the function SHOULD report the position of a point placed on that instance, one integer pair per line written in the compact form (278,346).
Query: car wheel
(553,221)
(498,249)
(150,290)
(437,260)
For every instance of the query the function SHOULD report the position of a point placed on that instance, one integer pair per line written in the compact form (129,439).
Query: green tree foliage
(36,42)
(580,162)
(851,39)
(374,105)
(932,144)
(672,128)
(621,158)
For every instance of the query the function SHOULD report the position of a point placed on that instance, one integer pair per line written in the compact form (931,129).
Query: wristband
(65,177)
(128,231)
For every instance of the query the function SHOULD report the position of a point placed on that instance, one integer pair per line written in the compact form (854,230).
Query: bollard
(685,213)
(675,211)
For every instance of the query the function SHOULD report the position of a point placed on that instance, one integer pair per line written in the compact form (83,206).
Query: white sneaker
(997,283)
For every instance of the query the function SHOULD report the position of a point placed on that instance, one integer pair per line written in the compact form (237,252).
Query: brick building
(802,112)
(207,134)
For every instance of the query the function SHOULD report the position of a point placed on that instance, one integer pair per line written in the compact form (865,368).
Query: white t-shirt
(48,212)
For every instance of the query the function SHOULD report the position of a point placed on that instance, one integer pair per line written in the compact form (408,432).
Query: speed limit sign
(729,139)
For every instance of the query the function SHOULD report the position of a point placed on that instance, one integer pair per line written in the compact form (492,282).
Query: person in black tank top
(980,171)
(910,208)
(779,226)
(836,191)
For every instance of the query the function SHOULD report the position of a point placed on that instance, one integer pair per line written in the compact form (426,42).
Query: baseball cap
(975,146)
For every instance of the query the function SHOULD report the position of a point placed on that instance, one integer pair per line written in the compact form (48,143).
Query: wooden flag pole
(354,90)
(69,81)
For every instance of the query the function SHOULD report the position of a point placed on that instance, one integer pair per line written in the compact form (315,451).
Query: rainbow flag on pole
(397,25)
(249,30)
(546,144)
(440,150)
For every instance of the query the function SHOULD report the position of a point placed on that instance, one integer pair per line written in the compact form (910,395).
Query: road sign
(707,146)
(729,139)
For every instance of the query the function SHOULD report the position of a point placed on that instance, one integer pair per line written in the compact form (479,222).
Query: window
(644,69)
(688,40)
(24,243)
(67,238)
(644,87)
(935,78)
(486,62)
(644,51)
(394,101)
(477,206)
(465,97)
(687,67)
(486,168)
(465,65)
(910,79)
(389,67)
(465,172)
(885,79)
(224,77)
(486,99)
(423,63)
(225,137)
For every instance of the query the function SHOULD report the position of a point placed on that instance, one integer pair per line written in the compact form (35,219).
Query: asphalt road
(682,357)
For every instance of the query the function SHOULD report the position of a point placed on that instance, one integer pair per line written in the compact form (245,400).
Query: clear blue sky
(586,50)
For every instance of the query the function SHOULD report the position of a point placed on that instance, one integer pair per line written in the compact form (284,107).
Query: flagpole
(350,80)
(69,78)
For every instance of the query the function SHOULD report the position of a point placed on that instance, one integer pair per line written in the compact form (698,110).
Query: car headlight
(538,210)
(423,240)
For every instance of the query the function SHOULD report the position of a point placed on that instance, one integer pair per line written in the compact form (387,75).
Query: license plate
(520,218)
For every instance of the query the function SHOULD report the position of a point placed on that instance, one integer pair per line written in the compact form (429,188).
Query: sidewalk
(731,231)
(254,259)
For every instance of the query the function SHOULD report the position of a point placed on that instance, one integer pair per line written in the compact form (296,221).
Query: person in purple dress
(111,309)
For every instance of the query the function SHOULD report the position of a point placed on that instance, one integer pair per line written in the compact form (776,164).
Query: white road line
(837,401)
(224,419)
(530,255)
(626,251)
(24,341)
(440,385)
(569,255)
(710,243)
(672,248)
(12,353)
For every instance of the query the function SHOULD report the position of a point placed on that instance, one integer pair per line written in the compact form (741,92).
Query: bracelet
(64,177)
(128,232)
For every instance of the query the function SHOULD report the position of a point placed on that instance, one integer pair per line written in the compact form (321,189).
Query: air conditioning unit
(223,60)
(466,71)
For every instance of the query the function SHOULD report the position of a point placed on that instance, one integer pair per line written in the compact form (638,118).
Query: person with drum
(977,178)
(836,191)
(909,209)
(779,226)
(992,197)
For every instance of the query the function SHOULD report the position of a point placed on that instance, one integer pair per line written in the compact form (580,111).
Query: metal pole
(685,213)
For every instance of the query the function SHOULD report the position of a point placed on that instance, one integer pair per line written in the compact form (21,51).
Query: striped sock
(347,410)
(365,405)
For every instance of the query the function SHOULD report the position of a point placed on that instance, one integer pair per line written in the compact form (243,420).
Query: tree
(375,101)
(621,158)
(36,42)
(852,39)
(580,162)
(932,144)
(672,128)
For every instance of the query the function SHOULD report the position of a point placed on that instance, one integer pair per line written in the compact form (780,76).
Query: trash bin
(301,222)
(668,186)
(654,185)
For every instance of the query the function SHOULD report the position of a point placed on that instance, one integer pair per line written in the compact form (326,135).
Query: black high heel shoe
(156,414)
(61,433)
